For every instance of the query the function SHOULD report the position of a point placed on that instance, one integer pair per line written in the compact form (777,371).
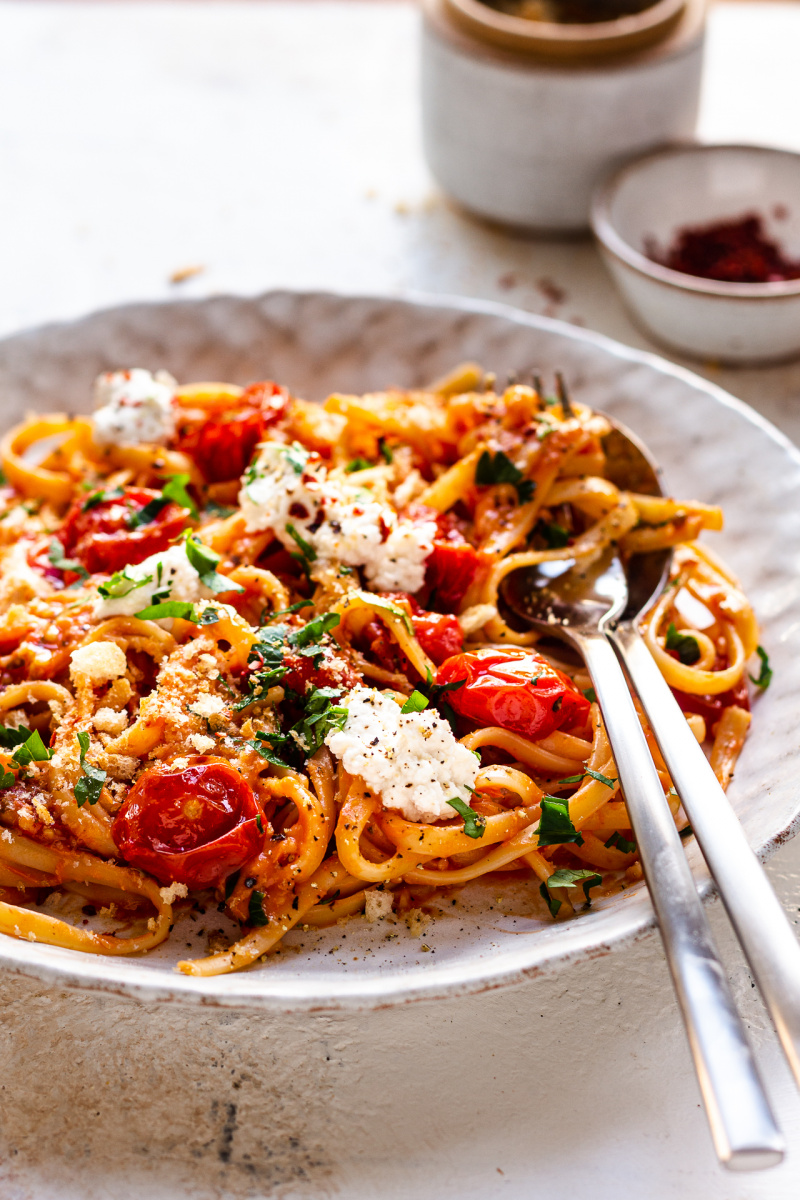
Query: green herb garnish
(610,783)
(175,490)
(684,645)
(474,823)
(567,878)
(100,497)
(255,909)
(618,842)
(146,516)
(13,737)
(556,536)
(32,749)
(498,468)
(122,584)
(555,825)
(181,609)
(91,784)
(416,702)
(765,674)
(357,464)
(55,555)
(205,561)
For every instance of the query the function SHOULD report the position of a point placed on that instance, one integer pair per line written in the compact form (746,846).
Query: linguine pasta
(252,650)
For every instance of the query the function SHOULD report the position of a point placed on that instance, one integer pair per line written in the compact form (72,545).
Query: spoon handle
(742,1125)
(756,914)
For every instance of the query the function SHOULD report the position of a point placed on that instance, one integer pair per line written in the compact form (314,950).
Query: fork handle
(742,1125)
(756,914)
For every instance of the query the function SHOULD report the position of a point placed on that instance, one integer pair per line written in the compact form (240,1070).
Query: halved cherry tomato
(223,445)
(514,688)
(194,826)
(101,537)
(710,708)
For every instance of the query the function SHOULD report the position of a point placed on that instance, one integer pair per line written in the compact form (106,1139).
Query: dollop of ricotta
(411,760)
(170,574)
(287,489)
(134,406)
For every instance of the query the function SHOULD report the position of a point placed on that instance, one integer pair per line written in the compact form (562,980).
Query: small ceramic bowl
(648,200)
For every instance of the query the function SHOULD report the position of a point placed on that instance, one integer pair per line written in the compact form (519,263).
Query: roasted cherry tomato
(223,445)
(449,572)
(104,536)
(439,634)
(710,708)
(514,688)
(194,826)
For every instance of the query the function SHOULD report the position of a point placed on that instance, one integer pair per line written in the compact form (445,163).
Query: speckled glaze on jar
(522,138)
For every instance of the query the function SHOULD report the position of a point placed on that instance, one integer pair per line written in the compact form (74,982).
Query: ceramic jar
(521,119)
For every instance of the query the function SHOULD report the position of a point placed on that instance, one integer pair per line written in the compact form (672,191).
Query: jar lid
(567,41)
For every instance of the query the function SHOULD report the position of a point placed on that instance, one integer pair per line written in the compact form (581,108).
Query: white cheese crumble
(134,406)
(97,662)
(411,760)
(341,522)
(169,573)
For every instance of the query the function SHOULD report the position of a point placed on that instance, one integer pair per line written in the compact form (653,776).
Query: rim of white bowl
(613,242)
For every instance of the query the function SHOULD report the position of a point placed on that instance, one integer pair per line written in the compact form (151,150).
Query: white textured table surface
(277,145)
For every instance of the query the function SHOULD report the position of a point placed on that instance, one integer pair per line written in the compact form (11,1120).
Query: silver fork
(582,604)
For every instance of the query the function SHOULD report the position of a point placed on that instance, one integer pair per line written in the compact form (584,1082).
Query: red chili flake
(735,251)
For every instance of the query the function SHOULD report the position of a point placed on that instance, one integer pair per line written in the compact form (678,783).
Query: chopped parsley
(122,584)
(184,610)
(218,510)
(175,490)
(145,516)
(684,645)
(436,693)
(32,749)
(55,555)
(765,674)
(255,909)
(297,457)
(293,608)
(92,781)
(555,826)
(313,630)
(357,464)
(567,878)
(498,468)
(610,783)
(205,561)
(618,842)
(555,535)
(474,823)
(13,737)
(101,497)
(307,553)
(415,703)
(321,716)
(261,746)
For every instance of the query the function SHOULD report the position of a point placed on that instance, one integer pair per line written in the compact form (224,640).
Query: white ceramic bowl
(711,446)
(670,188)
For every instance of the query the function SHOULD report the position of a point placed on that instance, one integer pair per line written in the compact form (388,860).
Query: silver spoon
(756,914)
(583,605)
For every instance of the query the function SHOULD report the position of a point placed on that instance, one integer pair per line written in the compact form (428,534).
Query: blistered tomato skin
(194,826)
(101,537)
(223,445)
(515,689)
